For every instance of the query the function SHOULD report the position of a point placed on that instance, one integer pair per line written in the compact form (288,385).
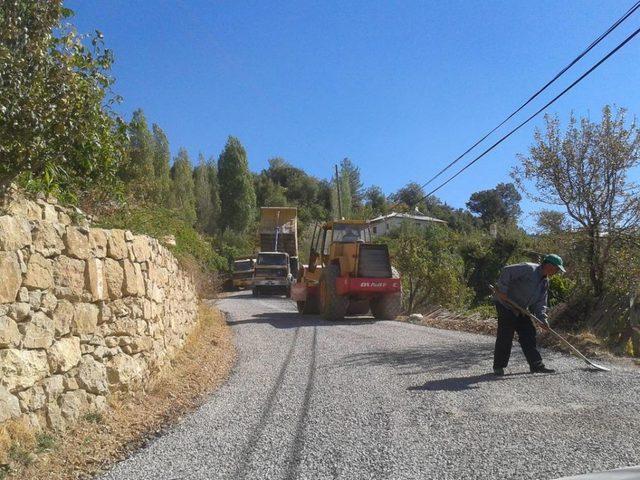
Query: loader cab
(337,239)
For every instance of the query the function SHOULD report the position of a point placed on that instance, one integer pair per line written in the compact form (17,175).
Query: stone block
(98,240)
(11,276)
(32,398)
(55,420)
(38,332)
(115,278)
(23,207)
(9,405)
(62,318)
(15,232)
(20,369)
(49,213)
(141,344)
(70,383)
(47,240)
(73,404)
(141,248)
(95,278)
(35,299)
(64,354)
(133,280)
(53,387)
(20,311)
(92,375)
(117,245)
(85,318)
(9,334)
(68,277)
(49,303)
(39,272)
(124,326)
(77,243)
(125,372)
(23,295)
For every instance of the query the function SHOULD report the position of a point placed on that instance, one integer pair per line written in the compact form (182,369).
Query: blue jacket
(525,285)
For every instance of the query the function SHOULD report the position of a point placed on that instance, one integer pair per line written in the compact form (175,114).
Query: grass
(4,471)
(20,455)
(44,442)
(93,417)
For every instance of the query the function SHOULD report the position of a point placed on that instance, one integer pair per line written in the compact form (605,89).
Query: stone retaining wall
(84,312)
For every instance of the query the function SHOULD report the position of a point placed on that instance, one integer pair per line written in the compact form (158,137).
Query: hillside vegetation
(60,134)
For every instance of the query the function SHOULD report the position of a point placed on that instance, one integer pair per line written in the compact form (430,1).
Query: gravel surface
(362,399)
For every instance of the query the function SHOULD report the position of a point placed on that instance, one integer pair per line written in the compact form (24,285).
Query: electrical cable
(535,95)
(503,138)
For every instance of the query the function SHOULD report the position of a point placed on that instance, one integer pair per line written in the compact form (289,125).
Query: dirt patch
(99,440)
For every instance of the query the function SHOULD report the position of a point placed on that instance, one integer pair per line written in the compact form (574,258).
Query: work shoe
(541,369)
(498,372)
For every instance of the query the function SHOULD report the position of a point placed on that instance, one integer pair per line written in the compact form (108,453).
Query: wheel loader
(347,274)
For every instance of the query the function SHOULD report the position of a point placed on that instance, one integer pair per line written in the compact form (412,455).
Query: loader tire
(332,305)
(388,307)
(358,307)
(308,307)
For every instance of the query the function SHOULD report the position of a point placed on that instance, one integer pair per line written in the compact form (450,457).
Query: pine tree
(183,198)
(237,196)
(345,196)
(212,172)
(202,192)
(352,173)
(161,166)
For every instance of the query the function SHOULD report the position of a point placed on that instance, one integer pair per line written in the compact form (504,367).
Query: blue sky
(400,87)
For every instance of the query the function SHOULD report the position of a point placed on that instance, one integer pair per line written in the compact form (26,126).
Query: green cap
(554,259)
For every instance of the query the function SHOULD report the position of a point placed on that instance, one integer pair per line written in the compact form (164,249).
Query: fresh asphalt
(365,399)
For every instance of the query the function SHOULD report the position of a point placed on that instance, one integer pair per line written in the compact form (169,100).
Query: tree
(183,198)
(551,222)
(202,193)
(352,173)
(269,193)
(57,130)
(161,165)
(139,172)
(411,195)
(237,196)
(500,204)
(345,196)
(374,198)
(212,172)
(585,170)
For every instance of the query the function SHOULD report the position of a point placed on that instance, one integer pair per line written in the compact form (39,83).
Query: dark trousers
(509,323)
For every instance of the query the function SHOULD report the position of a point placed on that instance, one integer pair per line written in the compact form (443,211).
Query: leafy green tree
(411,195)
(237,196)
(345,196)
(212,172)
(374,198)
(202,192)
(161,165)
(586,171)
(269,193)
(57,130)
(183,198)
(551,222)
(500,204)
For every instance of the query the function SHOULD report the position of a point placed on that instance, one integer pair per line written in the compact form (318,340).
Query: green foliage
(183,199)
(138,172)
(349,170)
(57,131)
(430,266)
(214,221)
(500,204)
(560,289)
(93,417)
(345,203)
(374,198)
(44,442)
(158,222)
(161,166)
(237,196)
(203,198)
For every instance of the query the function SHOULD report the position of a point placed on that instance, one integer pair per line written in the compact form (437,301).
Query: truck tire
(332,305)
(255,292)
(358,307)
(309,307)
(388,307)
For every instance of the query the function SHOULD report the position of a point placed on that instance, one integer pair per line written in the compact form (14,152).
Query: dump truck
(242,276)
(347,274)
(277,261)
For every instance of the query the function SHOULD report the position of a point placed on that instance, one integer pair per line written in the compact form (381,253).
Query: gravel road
(364,399)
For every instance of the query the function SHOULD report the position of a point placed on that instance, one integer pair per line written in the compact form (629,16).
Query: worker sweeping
(526,285)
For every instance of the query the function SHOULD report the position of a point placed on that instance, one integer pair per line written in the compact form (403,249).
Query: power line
(558,75)
(502,139)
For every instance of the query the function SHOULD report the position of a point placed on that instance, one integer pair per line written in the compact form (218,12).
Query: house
(384,224)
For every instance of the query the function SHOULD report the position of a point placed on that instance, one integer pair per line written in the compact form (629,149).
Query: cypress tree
(161,166)
(212,172)
(183,199)
(237,196)
(202,191)
(139,173)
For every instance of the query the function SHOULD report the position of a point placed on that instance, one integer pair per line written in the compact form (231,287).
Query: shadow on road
(294,320)
(456,384)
